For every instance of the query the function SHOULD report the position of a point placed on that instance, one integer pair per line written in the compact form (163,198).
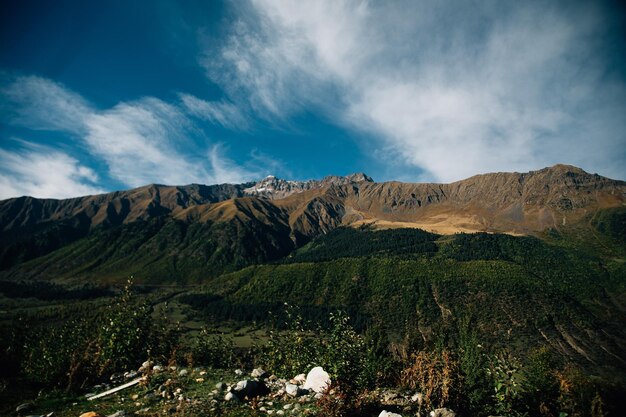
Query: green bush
(77,351)
(212,350)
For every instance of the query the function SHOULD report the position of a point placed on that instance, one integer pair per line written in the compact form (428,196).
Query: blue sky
(102,96)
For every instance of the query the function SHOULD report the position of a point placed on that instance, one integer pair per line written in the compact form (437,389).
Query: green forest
(502,325)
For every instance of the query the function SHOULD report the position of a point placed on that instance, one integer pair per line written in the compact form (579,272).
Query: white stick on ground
(116,389)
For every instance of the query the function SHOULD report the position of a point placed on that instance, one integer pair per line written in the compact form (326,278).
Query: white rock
(230,397)
(291,389)
(317,380)
(442,412)
(299,379)
(388,414)
(183,372)
(287,406)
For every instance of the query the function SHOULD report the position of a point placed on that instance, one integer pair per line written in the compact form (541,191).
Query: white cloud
(143,141)
(42,172)
(454,89)
(40,103)
(217,112)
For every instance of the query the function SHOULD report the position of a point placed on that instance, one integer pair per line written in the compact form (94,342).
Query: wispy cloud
(217,112)
(143,141)
(43,172)
(40,103)
(453,89)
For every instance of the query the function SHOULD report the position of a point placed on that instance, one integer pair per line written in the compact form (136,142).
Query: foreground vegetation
(482,324)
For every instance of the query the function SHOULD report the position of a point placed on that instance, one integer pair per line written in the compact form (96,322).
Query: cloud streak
(143,141)
(454,90)
(217,112)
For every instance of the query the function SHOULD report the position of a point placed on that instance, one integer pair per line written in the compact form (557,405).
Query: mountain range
(195,231)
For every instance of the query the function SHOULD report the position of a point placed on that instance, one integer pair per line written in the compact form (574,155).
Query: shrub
(508,383)
(436,375)
(212,350)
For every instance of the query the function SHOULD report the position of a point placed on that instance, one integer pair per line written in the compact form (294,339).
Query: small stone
(199,379)
(90,414)
(183,372)
(238,372)
(258,373)
(287,406)
(119,413)
(280,413)
(230,397)
(157,368)
(220,386)
(291,389)
(202,373)
(442,412)
(134,397)
(385,413)
(299,379)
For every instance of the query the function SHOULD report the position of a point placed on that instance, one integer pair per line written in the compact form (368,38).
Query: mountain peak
(359,177)
(275,188)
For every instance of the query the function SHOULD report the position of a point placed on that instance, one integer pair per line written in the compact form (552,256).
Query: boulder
(317,380)
(385,413)
(442,412)
(249,389)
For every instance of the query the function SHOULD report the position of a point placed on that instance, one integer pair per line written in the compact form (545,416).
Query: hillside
(538,308)
(222,228)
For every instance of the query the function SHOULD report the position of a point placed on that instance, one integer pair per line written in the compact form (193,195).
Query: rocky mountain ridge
(281,215)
